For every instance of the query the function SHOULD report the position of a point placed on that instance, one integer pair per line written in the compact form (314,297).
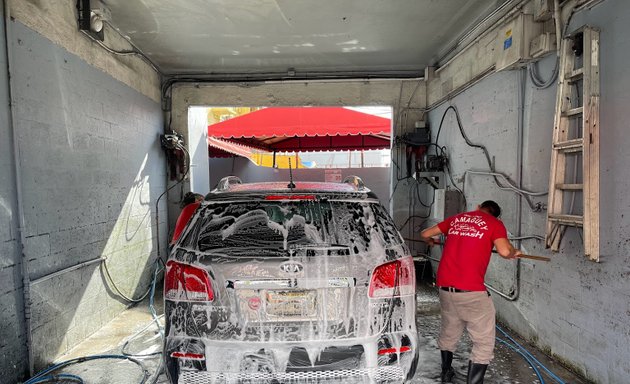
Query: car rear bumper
(345,361)
(388,374)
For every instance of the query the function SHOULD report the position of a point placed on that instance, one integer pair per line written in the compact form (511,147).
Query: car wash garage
(274,191)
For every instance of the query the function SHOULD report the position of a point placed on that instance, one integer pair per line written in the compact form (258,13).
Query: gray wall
(377,179)
(573,308)
(91,168)
(12,337)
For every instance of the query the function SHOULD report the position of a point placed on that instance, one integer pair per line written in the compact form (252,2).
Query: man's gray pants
(473,311)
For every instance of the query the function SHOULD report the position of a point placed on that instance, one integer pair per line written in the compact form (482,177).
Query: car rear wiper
(245,251)
(318,248)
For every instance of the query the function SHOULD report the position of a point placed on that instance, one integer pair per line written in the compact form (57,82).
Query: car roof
(282,188)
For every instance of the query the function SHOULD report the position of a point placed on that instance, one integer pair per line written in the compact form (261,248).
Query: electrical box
(542,45)
(420,136)
(447,203)
(543,10)
(514,41)
(431,163)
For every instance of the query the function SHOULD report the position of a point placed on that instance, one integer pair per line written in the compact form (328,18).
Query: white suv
(282,282)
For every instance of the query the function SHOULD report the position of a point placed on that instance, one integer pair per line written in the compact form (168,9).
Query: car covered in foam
(290,283)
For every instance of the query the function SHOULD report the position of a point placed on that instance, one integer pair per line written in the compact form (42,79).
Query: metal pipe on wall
(21,239)
(535,207)
(474,81)
(516,277)
(69,269)
(498,16)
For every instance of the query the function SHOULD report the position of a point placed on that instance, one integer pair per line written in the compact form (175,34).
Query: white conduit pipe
(69,269)
(26,292)
(516,189)
(516,277)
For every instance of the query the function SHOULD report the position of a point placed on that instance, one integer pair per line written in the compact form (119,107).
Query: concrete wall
(12,336)
(573,308)
(57,20)
(377,179)
(91,169)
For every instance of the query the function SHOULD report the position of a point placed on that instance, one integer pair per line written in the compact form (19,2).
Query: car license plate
(291,303)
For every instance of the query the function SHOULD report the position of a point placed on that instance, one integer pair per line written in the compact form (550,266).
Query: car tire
(413,367)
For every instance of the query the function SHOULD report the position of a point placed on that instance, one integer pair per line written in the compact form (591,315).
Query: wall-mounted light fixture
(96,22)
(92,16)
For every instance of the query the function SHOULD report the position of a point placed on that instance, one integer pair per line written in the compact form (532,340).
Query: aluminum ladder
(575,150)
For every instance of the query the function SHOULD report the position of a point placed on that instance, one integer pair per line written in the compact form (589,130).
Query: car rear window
(275,227)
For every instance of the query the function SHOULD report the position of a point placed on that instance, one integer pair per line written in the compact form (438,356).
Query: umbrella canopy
(305,129)
(265,159)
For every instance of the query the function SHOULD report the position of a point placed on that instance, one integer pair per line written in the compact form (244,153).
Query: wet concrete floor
(508,367)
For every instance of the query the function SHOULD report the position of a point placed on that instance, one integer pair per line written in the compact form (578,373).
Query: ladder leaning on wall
(575,150)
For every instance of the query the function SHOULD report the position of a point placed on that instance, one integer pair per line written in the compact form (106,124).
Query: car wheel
(412,369)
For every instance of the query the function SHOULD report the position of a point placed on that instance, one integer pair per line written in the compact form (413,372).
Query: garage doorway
(317,143)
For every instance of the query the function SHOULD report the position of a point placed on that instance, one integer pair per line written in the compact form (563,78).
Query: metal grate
(393,374)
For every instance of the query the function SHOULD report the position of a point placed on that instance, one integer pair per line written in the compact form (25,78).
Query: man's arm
(505,249)
(427,234)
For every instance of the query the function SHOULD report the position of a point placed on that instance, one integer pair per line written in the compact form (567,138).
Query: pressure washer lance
(522,256)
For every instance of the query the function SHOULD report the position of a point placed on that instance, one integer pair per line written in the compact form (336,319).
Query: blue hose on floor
(156,271)
(61,376)
(47,376)
(46,373)
(520,352)
(531,357)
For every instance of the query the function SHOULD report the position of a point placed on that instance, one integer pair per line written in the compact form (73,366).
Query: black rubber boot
(447,371)
(476,372)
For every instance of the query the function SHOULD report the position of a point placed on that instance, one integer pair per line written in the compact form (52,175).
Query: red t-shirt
(470,238)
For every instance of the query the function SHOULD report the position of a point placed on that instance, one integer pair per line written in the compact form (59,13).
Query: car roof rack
(355,181)
(226,182)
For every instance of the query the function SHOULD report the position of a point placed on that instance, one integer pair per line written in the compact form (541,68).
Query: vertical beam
(198,149)
(591,143)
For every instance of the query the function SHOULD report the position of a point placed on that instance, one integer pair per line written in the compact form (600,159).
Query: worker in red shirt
(464,301)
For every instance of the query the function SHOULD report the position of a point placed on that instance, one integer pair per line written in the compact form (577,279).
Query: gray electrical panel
(447,203)
(514,41)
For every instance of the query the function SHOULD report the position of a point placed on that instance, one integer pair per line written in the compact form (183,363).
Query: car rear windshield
(276,227)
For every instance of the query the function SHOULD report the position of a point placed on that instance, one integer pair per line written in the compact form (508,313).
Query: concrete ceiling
(313,37)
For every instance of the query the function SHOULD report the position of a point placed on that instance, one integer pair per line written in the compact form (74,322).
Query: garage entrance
(260,144)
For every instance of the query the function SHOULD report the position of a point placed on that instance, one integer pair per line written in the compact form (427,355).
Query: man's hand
(505,249)
(427,235)
(514,254)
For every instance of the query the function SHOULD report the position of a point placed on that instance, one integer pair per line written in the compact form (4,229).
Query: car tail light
(389,351)
(185,282)
(188,355)
(393,279)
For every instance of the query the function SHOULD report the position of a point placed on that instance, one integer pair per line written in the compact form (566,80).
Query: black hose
(463,133)
(157,203)
(486,154)
(48,371)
